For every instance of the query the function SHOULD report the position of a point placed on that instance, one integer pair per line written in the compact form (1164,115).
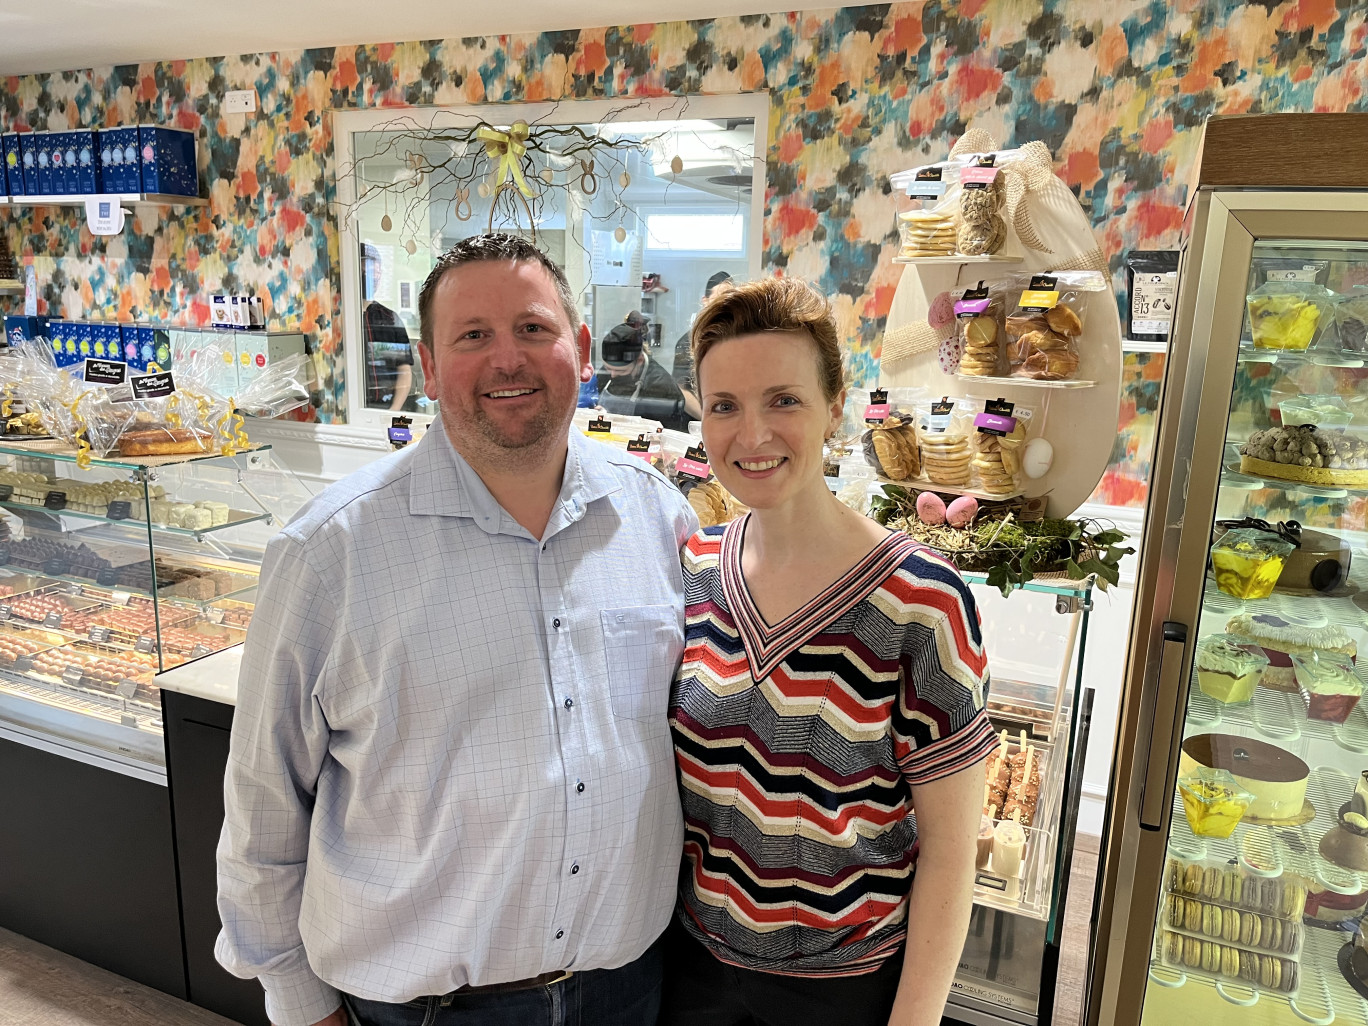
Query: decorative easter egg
(930,508)
(1036,457)
(962,511)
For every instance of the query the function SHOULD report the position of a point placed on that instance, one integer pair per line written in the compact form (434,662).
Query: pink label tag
(876,411)
(646,455)
(684,465)
(942,312)
(978,175)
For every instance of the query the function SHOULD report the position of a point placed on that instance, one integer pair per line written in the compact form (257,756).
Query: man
(389,356)
(683,355)
(634,384)
(451,779)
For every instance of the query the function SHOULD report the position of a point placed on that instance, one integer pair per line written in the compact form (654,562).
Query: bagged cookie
(999,436)
(929,232)
(1044,329)
(943,429)
(889,443)
(982,228)
(980,332)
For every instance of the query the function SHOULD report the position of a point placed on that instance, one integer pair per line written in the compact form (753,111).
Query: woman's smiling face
(765,416)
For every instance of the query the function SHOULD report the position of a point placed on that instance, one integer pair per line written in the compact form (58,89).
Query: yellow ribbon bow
(83,449)
(230,427)
(508,148)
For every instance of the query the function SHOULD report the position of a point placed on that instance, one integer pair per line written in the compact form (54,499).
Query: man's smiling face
(504,362)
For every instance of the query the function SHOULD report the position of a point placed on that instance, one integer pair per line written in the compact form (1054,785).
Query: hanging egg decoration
(484,190)
(620,233)
(385,223)
(677,165)
(547,175)
(624,179)
(411,247)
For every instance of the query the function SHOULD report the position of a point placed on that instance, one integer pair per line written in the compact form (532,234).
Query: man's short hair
(480,248)
(717,279)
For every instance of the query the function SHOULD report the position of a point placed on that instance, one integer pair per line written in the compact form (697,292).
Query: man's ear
(583,341)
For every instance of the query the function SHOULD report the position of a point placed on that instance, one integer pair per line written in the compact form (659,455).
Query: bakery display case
(1235,863)
(112,571)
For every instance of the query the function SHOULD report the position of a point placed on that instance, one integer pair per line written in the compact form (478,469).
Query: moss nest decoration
(1009,550)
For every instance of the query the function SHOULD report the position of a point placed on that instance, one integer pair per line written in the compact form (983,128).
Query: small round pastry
(1231,927)
(1230,962)
(1192,916)
(1211,920)
(1249,967)
(1249,922)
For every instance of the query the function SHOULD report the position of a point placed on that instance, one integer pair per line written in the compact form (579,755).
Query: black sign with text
(119,509)
(55,500)
(105,372)
(152,386)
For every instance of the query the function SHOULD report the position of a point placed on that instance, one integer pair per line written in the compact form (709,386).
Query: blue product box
(168,160)
(108,342)
(52,149)
(123,159)
(86,166)
(42,159)
(154,350)
(63,163)
(19,328)
(14,163)
(85,340)
(63,336)
(128,336)
(28,150)
(111,162)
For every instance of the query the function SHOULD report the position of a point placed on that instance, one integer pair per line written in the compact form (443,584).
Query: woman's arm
(948,813)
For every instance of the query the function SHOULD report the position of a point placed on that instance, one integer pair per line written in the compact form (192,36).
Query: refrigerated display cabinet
(1235,856)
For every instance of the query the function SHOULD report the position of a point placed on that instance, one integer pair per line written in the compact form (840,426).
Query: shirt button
(569,703)
(580,787)
(560,934)
(556,623)
(574,869)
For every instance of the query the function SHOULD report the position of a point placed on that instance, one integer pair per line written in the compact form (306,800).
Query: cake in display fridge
(113,572)
(1235,860)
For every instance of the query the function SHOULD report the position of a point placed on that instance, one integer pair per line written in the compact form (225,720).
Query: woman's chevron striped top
(798,744)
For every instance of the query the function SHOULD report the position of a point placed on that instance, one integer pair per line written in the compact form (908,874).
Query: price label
(99,635)
(126,688)
(57,566)
(72,675)
(598,424)
(73,588)
(4,553)
(52,620)
(107,578)
(4,613)
(639,447)
(119,509)
(23,664)
(55,500)
(927,183)
(200,651)
(120,598)
(878,409)
(144,644)
(215,615)
(978,177)
(6,492)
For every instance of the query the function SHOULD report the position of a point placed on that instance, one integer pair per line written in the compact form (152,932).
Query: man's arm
(279,742)
(403,385)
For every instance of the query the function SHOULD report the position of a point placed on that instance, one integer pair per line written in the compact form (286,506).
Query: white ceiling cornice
(65,35)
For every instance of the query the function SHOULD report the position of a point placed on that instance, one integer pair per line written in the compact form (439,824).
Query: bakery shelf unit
(991,258)
(114,572)
(987,379)
(1037,699)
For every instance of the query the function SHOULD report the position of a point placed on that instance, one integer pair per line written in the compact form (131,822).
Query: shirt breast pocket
(643,645)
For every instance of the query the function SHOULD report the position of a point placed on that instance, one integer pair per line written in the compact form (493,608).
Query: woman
(833,684)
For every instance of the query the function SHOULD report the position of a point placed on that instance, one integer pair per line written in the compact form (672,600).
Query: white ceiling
(63,35)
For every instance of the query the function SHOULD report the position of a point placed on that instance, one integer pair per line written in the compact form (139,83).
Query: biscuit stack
(945,459)
(982,354)
(982,229)
(714,504)
(995,476)
(926,233)
(1044,346)
(1267,971)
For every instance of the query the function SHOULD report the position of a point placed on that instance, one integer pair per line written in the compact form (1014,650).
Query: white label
(104,216)
(1292,274)
(1152,300)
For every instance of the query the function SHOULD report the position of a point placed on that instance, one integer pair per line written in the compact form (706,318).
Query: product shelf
(993,258)
(236,518)
(972,379)
(71,199)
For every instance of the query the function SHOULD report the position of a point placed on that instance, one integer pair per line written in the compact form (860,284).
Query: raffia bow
(508,148)
(1027,171)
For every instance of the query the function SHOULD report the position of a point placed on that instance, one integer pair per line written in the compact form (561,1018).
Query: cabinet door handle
(1163,714)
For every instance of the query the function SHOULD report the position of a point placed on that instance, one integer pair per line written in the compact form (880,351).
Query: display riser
(197,733)
(87,865)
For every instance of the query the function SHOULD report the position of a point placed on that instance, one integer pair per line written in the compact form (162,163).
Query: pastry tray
(1229,982)
(1029,893)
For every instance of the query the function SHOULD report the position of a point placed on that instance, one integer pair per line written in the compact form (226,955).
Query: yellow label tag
(1038,299)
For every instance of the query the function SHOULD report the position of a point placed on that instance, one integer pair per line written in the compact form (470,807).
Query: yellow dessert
(1228,669)
(1213,802)
(1247,563)
(1283,321)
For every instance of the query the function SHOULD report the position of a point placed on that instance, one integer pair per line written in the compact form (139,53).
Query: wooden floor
(42,987)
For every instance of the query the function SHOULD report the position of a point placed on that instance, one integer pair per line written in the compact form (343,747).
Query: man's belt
(544,980)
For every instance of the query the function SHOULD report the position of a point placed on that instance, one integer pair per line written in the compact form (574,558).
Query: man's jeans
(628,996)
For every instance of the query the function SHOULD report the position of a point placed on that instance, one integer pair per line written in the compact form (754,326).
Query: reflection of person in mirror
(683,358)
(389,353)
(632,383)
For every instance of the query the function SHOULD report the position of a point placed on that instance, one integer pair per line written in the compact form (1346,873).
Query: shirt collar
(444,484)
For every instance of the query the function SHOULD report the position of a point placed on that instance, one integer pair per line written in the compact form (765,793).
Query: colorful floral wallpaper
(1118,89)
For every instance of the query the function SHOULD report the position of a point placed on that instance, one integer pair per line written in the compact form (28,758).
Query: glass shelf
(971,379)
(54,449)
(79,199)
(994,258)
(236,518)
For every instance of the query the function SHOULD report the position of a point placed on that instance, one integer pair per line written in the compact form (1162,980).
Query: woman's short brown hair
(771,305)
